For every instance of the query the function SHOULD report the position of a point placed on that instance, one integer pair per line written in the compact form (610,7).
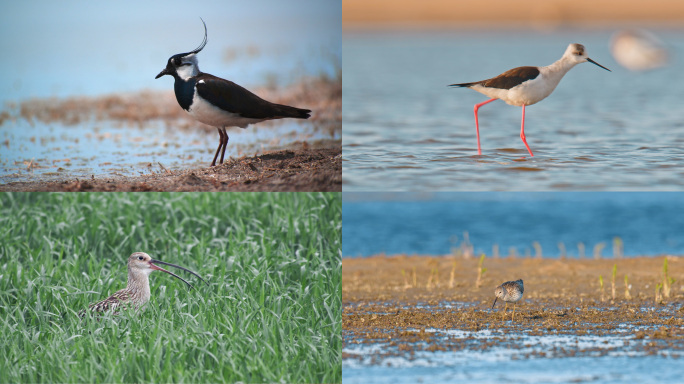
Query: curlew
(137,292)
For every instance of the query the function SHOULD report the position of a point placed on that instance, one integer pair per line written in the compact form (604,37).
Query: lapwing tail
(297,113)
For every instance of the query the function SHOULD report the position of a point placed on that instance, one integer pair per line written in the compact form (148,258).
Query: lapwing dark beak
(153,266)
(593,62)
(162,73)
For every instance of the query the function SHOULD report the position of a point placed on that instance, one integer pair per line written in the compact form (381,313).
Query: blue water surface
(434,223)
(405,130)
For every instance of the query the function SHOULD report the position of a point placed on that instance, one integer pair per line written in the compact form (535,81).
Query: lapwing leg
(225,143)
(477,124)
(213,162)
(522,133)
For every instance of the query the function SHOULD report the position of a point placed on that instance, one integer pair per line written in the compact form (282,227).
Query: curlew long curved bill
(153,266)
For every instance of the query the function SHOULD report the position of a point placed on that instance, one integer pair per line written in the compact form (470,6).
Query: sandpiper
(524,86)
(137,292)
(510,292)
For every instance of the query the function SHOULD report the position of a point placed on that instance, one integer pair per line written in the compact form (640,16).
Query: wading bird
(524,86)
(510,292)
(137,292)
(217,102)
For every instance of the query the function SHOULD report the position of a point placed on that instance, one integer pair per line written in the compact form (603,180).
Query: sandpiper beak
(494,302)
(593,62)
(157,268)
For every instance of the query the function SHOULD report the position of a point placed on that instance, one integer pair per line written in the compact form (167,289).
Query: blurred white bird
(638,50)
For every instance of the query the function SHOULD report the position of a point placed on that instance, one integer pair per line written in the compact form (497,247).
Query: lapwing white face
(577,53)
(184,67)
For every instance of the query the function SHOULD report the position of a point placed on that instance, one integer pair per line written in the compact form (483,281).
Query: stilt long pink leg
(477,124)
(522,133)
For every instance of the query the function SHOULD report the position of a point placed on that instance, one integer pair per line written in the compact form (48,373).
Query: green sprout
(480,271)
(612,280)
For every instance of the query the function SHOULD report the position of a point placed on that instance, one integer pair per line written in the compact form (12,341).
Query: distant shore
(384,14)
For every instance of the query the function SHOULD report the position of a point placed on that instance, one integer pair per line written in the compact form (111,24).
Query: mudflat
(411,303)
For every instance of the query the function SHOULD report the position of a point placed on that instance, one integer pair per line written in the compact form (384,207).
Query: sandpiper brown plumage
(137,292)
(510,292)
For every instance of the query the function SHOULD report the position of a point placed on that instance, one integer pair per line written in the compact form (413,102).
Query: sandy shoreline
(428,279)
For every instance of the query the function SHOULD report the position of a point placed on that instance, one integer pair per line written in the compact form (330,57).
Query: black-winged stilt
(524,86)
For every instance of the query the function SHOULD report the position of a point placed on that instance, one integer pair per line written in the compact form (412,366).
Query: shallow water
(514,357)
(404,129)
(54,151)
(497,368)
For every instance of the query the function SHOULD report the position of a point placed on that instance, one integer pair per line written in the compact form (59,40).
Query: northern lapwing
(137,292)
(527,85)
(218,102)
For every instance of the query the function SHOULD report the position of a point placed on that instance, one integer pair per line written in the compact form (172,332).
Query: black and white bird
(524,86)
(219,102)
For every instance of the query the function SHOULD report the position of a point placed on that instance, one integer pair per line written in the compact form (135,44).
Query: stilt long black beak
(593,62)
(494,302)
(152,262)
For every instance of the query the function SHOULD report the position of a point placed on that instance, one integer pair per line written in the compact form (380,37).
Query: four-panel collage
(310,191)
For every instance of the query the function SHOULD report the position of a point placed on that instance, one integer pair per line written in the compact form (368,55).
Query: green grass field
(272,312)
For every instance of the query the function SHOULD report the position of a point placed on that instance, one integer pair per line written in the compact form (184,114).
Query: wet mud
(287,170)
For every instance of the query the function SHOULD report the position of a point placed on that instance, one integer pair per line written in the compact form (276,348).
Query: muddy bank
(286,170)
